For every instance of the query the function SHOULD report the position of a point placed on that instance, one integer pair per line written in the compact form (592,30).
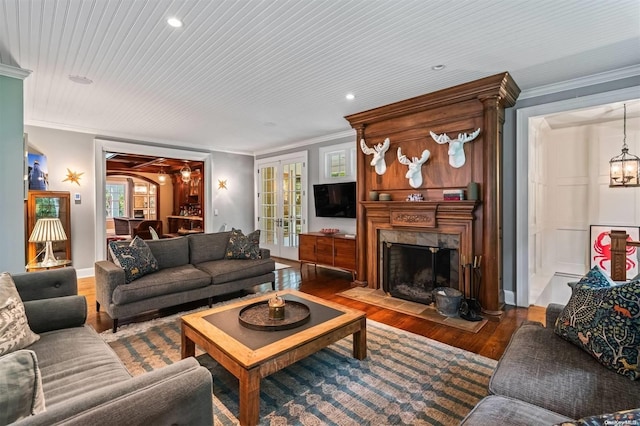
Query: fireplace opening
(411,272)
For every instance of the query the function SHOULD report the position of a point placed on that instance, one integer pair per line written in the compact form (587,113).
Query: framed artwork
(600,248)
(37,173)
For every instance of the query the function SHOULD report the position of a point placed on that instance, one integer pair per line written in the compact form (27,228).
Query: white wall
(576,195)
(74,151)
(235,204)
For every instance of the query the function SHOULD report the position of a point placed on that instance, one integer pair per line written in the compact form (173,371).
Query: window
(338,163)
(115,202)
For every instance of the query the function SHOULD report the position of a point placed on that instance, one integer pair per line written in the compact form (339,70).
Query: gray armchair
(83,380)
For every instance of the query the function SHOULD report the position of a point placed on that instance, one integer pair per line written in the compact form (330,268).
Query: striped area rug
(406,379)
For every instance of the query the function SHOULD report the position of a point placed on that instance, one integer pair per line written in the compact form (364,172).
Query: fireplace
(412,272)
(414,263)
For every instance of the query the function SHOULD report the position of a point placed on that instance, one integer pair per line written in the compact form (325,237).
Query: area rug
(406,379)
(379,298)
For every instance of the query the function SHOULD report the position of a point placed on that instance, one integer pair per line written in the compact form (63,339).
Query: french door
(281,204)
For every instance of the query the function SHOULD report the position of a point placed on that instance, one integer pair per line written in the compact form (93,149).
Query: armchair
(82,378)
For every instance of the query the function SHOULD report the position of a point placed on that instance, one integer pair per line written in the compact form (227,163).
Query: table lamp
(46,231)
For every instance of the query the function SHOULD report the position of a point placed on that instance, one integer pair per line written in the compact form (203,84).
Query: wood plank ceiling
(247,76)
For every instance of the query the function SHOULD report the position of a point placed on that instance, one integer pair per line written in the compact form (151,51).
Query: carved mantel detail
(459,110)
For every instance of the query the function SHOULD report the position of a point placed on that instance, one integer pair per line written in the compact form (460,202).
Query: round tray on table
(256,316)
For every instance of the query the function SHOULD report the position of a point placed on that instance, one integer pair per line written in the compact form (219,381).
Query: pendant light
(624,169)
(185,172)
(162,176)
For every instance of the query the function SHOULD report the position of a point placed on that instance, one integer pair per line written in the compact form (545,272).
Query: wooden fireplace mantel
(407,124)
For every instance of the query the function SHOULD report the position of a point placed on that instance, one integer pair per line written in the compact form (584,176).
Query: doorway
(102,146)
(533,237)
(281,203)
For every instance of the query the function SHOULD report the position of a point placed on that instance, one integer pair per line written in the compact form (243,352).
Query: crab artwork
(602,248)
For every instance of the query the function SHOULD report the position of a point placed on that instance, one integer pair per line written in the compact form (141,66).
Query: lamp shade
(47,229)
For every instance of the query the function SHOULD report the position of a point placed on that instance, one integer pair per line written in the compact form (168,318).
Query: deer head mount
(456,146)
(378,152)
(414,174)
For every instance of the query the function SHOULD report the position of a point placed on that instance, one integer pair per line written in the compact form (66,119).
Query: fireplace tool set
(470,307)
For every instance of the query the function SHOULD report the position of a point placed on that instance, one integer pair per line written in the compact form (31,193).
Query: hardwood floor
(490,341)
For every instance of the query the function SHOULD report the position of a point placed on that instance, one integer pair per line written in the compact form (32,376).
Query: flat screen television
(335,199)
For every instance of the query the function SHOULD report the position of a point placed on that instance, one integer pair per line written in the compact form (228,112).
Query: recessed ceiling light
(350,96)
(80,80)
(438,67)
(174,22)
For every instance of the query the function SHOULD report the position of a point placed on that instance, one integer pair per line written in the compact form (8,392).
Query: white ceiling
(247,76)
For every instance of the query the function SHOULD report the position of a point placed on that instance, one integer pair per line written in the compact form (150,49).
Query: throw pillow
(154,234)
(627,417)
(596,277)
(605,322)
(135,259)
(21,393)
(14,329)
(243,247)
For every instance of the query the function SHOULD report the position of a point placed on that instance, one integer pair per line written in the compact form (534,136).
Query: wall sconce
(73,177)
(222,184)
(162,176)
(185,172)
(624,169)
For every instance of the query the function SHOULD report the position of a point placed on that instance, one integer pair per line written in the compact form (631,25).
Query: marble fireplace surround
(437,224)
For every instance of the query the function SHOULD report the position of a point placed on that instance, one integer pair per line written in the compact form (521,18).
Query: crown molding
(14,72)
(576,83)
(307,142)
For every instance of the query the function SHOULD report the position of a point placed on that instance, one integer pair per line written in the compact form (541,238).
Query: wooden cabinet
(182,223)
(188,196)
(336,250)
(145,201)
(46,204)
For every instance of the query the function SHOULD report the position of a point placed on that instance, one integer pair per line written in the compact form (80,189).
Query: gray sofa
(83,380)
(192,268)
(542,379)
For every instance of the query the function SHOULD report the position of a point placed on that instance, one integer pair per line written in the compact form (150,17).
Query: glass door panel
(281,197)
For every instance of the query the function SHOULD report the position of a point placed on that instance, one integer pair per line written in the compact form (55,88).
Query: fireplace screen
(411,272)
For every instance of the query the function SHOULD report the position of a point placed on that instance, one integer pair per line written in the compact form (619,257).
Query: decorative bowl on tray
(329,231)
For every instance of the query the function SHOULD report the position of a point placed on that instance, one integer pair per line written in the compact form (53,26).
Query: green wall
(11,175)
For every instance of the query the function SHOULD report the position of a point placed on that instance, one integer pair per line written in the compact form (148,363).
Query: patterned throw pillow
(627,417)
(136,259)
(14,329)
(21,393)
(243,247)
(605,322)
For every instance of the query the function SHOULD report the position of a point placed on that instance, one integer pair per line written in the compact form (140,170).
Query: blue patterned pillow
(627,417)
(136,259)
(605,322)
(596,277)
(243,247)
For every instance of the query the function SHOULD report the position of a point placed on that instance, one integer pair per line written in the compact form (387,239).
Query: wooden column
(361,223)
(492,295)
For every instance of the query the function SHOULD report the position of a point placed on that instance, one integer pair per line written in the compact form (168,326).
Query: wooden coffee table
(251,355)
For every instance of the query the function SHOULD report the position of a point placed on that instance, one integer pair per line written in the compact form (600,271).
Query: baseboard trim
(509,297)
(85,272)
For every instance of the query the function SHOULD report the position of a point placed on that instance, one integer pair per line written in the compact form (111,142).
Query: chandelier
(624,169)
(185,172)
(162,176)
